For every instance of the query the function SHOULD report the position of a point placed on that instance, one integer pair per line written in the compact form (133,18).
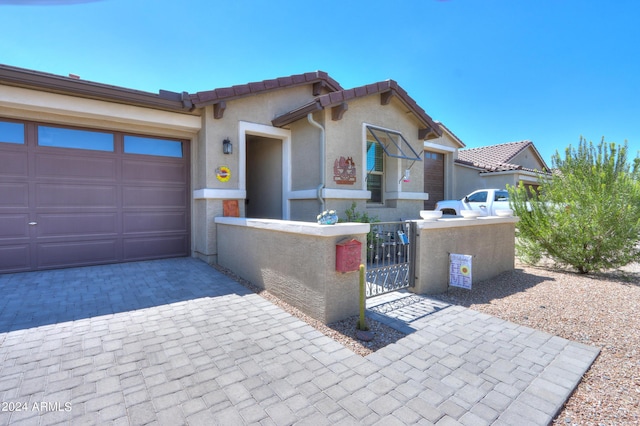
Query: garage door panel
(165,170)
(155,247)
(90,202)
(15,258)
(136,222)
(72,195)
(57,254)
(76,167)
(153,196)
(14,164)
(75,224)
(14,195)
(14,226)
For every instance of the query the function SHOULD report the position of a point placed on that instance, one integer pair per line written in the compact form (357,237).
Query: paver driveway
(175,342)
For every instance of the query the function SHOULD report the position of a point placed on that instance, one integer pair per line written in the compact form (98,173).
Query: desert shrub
(587,214)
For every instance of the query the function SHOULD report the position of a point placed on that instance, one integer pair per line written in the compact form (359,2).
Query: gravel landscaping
(601,310)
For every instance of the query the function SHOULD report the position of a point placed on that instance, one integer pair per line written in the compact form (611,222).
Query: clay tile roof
(338,97)
(497,158)
(210,97)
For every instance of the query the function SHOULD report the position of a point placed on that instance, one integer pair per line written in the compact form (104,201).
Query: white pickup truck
(486,201)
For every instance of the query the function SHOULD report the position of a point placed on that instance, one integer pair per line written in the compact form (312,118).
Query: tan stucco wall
(343,138)
(446,141)
(260,109)
(305,154)
(346,138)
(491,242)
(500,181)
(402,210)
(26,104)
(528,159)
(467,180)
(295,261)
(205,236)
(307,210)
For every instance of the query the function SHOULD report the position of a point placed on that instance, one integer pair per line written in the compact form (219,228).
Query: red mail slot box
(348,255)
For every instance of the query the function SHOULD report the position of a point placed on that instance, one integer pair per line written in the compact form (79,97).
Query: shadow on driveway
(33,299)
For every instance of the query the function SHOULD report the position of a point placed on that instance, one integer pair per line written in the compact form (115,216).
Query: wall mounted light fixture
(227,147)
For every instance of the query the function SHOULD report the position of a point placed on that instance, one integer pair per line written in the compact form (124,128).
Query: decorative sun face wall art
(223,173)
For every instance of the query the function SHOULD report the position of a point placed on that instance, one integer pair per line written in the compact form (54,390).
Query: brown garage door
(433,178)
(72,197)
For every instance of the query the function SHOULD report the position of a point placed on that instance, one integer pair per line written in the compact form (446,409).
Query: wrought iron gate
(390,257)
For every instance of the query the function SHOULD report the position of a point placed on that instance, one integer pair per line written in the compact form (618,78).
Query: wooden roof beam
(218,109)
(427,133)
(338,111)
(385,97)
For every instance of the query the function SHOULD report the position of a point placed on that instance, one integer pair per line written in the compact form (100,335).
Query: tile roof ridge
(241,90)
(525,142)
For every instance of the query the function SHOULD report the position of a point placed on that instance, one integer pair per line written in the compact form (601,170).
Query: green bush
(351,215)
(587,214)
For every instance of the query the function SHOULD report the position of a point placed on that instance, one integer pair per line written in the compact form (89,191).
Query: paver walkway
(175,342)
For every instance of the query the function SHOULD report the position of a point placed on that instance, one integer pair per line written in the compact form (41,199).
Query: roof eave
(387,89)
(453,136)
(29,79)
(296,114)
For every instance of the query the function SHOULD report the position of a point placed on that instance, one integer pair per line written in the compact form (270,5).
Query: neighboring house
(92,173)
(496,166)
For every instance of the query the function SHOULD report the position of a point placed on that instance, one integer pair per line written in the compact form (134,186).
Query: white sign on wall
(460,270)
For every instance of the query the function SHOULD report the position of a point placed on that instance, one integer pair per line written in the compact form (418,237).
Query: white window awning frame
(410,155)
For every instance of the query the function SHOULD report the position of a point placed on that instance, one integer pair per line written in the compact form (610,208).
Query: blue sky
(493,71)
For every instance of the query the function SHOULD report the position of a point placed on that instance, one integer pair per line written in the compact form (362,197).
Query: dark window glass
(152,146)
(374,184)
(11,132)
(478,197)
(501,196)
(71,138)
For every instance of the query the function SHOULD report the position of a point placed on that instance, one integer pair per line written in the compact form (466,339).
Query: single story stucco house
(91,173)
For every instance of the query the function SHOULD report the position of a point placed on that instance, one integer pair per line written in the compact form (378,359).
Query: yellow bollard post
(362,323)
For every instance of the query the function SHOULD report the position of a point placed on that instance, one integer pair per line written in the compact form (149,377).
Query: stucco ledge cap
(297,227)
(463,222)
